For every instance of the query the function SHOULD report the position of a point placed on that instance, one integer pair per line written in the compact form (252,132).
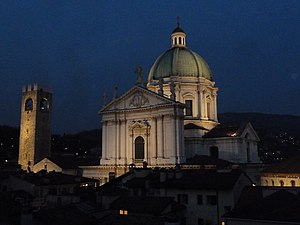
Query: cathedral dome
(179,61)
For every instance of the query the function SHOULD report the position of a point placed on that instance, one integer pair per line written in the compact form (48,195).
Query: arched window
(293,183)
(189,107)
(28,104)
(273,184)
(266,183)
(180,40)
(139,148)
(43,105)
(208,110)
(281,183)
(214,152)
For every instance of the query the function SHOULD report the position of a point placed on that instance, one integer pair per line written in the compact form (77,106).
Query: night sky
(81,49)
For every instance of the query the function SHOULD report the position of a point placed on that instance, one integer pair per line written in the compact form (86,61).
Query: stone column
(153,137)
(175,140)
(117,131)
(160,137)
(104,147)
(204,105)
(215,106)
(201,104)
(198,102)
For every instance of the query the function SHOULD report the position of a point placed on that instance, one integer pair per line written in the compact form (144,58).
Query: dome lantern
(178,37)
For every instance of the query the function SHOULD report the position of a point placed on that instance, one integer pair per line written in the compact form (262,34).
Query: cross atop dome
(178,36)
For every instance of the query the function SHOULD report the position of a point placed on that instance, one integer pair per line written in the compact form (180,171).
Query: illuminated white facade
(142,127)
(171,119)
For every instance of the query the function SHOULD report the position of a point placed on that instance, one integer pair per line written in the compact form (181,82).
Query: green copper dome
(179,60)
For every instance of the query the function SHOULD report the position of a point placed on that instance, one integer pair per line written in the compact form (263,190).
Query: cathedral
(163,123)
(172,118)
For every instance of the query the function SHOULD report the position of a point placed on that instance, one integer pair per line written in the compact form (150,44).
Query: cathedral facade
(171,119)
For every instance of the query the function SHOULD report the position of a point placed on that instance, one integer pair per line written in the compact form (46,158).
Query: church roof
(53,178)
(207,160)
(193,126)
(178,29)
(290,165)
(179,60)
(231,131)
(71,162)
(141,100)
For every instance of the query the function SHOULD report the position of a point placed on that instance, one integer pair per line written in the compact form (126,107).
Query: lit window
(188,107)
(123,212)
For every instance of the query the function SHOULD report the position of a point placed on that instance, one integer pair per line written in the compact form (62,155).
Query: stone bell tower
(35,127)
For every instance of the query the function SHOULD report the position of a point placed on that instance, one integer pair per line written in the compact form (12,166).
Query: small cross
(177,18)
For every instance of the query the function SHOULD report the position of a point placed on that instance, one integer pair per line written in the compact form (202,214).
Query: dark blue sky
(81,49)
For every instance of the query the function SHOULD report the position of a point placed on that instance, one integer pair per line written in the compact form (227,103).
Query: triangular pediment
(137,98)
(249,132)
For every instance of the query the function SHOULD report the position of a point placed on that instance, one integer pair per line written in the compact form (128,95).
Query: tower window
(188,107)
(43,105)
(180,40)
(28,104)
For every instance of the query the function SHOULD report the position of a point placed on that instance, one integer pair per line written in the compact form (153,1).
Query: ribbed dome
(179,61)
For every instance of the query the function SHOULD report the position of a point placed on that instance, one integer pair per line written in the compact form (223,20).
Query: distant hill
(279,135)
(264,123)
